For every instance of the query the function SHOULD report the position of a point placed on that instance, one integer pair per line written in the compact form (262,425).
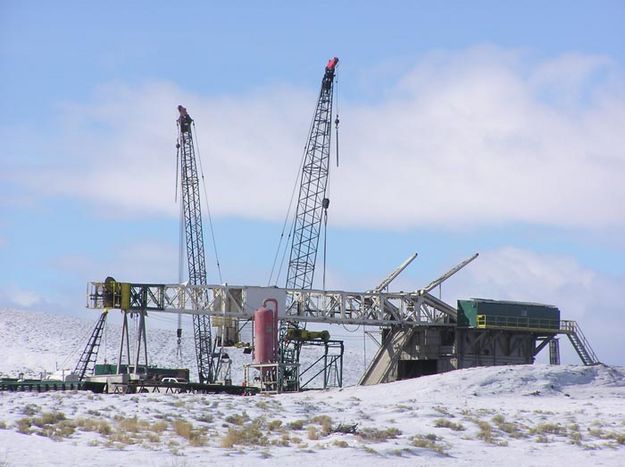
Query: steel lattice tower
(313,184)
(309,213)
(194,236)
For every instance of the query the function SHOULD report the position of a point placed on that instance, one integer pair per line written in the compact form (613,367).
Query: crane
(207,362)
(312,203)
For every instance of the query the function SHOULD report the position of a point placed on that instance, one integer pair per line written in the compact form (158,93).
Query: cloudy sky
(464,128)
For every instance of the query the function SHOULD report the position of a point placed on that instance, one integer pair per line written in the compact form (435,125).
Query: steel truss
(311,205)
(313,184)
(329,364)
(373,308)
(194,236)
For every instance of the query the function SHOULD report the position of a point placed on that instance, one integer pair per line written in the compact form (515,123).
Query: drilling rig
(207,360)
(311,209)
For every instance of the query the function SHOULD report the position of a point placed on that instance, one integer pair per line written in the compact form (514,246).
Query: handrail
(517,322)
(574,331)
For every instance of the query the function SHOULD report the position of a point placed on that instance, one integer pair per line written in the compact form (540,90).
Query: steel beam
(330,306)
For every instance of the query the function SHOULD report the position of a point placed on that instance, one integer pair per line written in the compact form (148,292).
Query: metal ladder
(90,353)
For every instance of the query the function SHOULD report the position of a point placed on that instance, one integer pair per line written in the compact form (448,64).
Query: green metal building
(485,313)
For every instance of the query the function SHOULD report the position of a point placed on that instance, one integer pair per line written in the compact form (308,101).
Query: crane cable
(81,344)
(325,242)
(278,249)
(295,185)
(288,214)
(180,242)
(326,201)
(336,120)
(208,211)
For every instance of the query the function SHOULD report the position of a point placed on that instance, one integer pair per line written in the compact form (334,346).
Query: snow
(521,415)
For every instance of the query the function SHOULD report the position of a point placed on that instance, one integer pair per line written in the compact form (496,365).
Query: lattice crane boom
(312,199)
(194,240)
(312,205)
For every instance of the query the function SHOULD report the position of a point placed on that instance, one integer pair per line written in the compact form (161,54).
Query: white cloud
(470,138)
(19,297)
(137,261)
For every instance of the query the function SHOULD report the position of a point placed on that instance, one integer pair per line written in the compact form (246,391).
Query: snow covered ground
(524,415)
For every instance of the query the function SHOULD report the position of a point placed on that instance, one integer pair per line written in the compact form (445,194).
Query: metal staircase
(579,342)
(90,353)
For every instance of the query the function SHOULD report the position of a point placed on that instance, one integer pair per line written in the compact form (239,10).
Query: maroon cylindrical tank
(265,335)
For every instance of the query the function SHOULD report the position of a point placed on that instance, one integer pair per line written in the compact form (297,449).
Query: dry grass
(284,440)
(325,421)
(262,405)
(120,438)
(205,418)
(132,425)
(377,436)
(158,427)
(548,428)
(486,431)
(512,429)
(185,430)
(444,423)
(24,424)
(575,437)
(617,437)
(296,425)
(370,450)
(431,442)
(63,429)
(238,419)
(48,418)
(54,425)
(340,443)
(251,434)
(274,425)
(31,409)
(50,424)
(101,426)
(152,437)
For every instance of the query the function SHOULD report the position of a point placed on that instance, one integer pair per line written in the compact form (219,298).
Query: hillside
(33,342)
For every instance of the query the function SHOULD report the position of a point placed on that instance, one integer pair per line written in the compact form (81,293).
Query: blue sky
(487,127)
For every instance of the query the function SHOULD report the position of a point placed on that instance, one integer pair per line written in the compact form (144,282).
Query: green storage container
(484,313)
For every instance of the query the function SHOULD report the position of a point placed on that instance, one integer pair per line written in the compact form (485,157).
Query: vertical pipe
(127,342)
(325,367)
(145,345)
(121,344)
(275,325)
(138,343)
